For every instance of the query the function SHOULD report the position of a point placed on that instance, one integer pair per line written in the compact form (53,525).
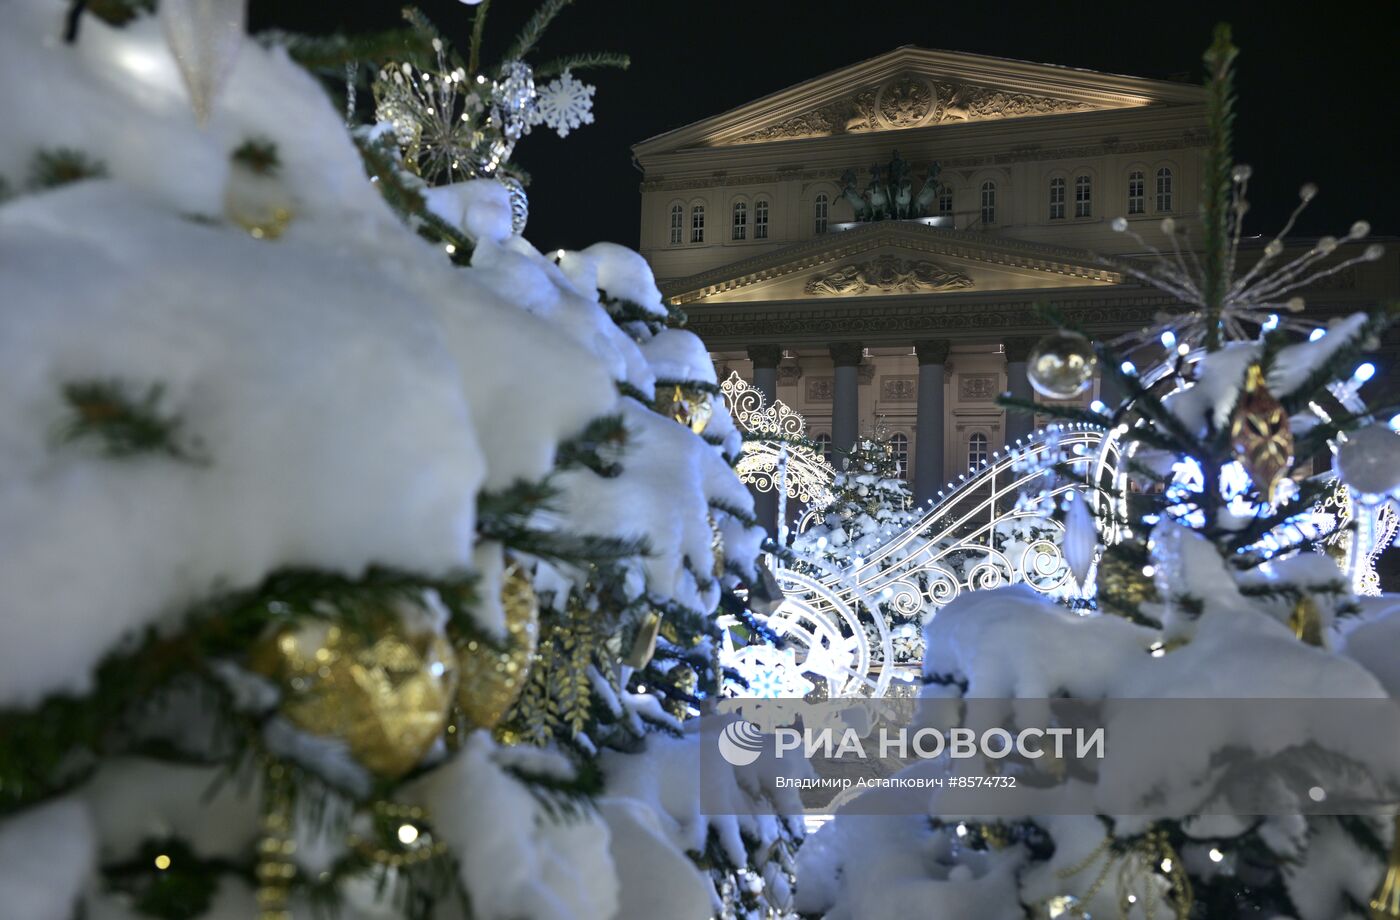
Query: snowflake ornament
(564,104)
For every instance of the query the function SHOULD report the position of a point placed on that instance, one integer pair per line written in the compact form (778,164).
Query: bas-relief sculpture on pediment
(887,274)
(910,101)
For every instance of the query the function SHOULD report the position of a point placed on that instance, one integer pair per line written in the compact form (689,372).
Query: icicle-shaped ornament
(205,37)
(1260,434)
(1081,538)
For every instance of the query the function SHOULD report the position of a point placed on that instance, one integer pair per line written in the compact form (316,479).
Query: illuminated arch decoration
(777,455)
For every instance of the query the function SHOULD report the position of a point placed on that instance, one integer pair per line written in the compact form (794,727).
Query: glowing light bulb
(1216,855)
(162,862)
(1364,373)
(407,834)
(1316,334)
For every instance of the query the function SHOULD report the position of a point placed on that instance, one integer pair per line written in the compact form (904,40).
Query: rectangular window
(989,203)
(1137,193)
(1057,199)
(819,214)
(945,201)
(760,220)
(741,222)
(677,225)
(697,224)
(1164,189)
(1083,206)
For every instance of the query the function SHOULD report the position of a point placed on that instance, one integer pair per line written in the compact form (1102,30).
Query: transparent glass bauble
(1062,365)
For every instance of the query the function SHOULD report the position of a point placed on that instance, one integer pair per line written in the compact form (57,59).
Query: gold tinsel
(683,678)
(493,676)
(383,690)
(1122,586)
(1260,434)
(257,201)
(1386,904)
(275,868)
(690,407)
(1306,620)
(1135,864)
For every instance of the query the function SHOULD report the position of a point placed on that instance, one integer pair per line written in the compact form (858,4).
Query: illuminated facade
(911,320)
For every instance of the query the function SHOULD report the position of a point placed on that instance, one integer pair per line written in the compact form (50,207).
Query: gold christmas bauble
(382,688)
(1062,365)
(492,676)
(690,407)
(1261,435)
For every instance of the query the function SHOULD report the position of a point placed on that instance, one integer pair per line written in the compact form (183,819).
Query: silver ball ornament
(1062,365)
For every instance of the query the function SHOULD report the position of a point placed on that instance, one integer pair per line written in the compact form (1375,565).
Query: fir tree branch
(534,28)
(1216,181)
(588,60)
(478,32)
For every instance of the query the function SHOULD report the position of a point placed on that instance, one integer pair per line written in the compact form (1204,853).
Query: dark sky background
(1318,84)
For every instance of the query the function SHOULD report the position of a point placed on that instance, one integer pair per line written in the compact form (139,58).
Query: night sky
(1317,92)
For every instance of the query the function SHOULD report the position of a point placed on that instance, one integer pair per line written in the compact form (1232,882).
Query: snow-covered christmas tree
(872,505)
(356,559)
(1216,592)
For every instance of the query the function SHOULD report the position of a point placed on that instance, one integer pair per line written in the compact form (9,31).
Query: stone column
(928,435)
(845,401)
(765,360)
(1018,424)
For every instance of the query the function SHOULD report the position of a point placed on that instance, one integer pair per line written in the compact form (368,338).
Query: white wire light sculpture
(777,454)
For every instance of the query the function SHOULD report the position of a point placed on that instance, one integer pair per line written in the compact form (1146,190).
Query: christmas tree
(359,559)
(1215,590)
(872,505)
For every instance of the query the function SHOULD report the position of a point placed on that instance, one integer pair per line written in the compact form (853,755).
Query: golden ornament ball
(691,407)
(492,676)
(1062,365)
(382,688)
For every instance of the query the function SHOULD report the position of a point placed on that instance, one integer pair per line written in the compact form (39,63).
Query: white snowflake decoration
(564,104)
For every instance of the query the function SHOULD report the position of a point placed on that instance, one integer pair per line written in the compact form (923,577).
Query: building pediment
(917,88)
(892,258)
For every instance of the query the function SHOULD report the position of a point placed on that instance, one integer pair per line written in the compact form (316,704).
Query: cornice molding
(953,318)
(910,236)
(1023,153)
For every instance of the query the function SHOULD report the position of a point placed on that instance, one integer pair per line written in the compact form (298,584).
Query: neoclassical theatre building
(868,246)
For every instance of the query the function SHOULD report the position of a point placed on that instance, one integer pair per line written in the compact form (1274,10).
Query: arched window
(819,213)
(989,202)
(899,450)
(1137,192)
(760,219)
(945,200)
(1083,196)
(1164,189)
(741,221)
(697,224)
(677,224)
(1057,198)
(976,450)
(824,445)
